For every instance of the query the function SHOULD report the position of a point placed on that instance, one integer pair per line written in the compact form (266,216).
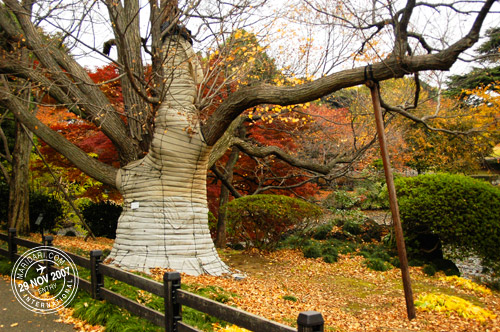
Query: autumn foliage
(262,220)
(86,136)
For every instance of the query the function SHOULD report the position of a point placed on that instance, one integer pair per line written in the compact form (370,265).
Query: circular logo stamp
(44,279)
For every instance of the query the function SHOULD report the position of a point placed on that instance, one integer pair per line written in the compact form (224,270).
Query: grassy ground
(350,296)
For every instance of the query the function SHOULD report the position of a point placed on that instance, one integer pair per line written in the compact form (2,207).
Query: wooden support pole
(393,201)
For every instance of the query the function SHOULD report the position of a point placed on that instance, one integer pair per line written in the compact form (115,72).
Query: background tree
(164,143)
(488,56)
(468,109)
(83,134)
(19,155)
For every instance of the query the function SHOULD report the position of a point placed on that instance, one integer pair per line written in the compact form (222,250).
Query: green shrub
(352,227)
(39,203)
(312,251)
(102,217)
(328,250)
(341,199)
(394,261)
(375,251)
(262,220)
(321,232)
(330,259)
(463,213)
(429,269)
(329,253)
(370,194)
(49,206)
(377,264)
(371,231)
(295,241)
(347,247)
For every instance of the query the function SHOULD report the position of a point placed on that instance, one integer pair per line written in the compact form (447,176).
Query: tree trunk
(220,239)
(18,186)
(165,218)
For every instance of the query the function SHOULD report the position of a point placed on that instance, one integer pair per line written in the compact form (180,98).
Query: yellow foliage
(229,328)
(448,304)
(465,283)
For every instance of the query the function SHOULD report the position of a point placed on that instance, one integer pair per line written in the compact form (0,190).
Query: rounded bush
(352,227)
(330,254)
(341,200)
(262,220)
(461,212)
(330,259)
(102,217)
(429,269)
(312,251)
(377,264)
(321,232)
(49,206)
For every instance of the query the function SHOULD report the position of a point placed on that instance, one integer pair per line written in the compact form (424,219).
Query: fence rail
(170,290)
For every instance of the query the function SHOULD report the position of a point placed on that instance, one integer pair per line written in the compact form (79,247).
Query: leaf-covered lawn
(350,296)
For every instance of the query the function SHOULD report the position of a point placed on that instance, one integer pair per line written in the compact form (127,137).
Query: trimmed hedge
(262,220)
(39,203)
(102,217)
(49,206)
(460,212)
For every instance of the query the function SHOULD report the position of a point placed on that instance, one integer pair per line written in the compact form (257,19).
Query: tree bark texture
(19,217)
(165,218)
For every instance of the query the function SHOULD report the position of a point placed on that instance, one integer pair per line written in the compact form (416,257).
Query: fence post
(47,241)
(171,283)
(310,321)
(12,245)
(96,278)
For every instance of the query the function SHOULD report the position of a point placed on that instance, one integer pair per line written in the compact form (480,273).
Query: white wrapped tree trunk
(165,218)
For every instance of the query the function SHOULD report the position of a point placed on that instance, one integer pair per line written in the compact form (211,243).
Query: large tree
(164,140)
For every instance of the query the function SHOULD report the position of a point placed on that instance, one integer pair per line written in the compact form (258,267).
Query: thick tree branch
(288,95)
(96,169)
(73,80)
(401,29)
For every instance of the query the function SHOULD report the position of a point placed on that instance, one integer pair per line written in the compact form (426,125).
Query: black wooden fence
(170,290)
